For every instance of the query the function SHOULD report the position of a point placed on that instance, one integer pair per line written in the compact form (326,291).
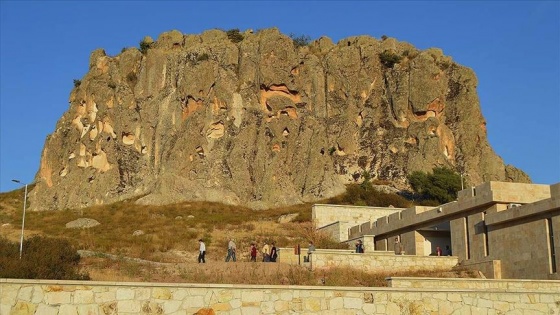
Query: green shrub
(442,185)
(42,258)
(384,37)
(234,35)
(77,83)
(389,59)
(365,195)
(145,46)
(202,57)
(301,40)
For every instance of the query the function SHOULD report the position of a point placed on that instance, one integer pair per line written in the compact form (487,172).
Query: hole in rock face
(268,133)
(200,151)
(322,151)
(290,112)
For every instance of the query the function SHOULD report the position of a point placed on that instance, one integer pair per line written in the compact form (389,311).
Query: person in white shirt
(202,252)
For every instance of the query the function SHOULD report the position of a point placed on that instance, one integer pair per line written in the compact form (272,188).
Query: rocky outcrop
(260,122)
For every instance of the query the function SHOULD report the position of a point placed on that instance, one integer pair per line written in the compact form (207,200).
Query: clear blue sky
(513,46)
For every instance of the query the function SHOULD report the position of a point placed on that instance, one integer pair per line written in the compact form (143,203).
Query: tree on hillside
(441,185)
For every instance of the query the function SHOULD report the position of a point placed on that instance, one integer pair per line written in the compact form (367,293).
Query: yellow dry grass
(171,236)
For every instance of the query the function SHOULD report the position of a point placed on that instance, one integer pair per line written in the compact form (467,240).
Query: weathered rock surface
(261,122)
(287,217)
(82,223)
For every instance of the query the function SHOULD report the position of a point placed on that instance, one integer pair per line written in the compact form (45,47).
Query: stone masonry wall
(47,297)
(476,284)
(380,260)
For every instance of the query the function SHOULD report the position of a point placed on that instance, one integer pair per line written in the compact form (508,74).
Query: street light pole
(23,218)
(462,181)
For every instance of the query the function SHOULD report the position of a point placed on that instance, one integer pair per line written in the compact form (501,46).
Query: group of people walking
(269,252)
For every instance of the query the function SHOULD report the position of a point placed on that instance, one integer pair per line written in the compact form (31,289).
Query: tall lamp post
(23,219)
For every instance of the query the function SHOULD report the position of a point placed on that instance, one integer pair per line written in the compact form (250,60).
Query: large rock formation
(260,122)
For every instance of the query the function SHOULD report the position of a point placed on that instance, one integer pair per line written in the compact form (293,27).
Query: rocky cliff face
(261,122)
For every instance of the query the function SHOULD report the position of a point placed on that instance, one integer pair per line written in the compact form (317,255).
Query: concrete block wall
(459,238)
(477,237)
(555,191)
(519,192)
(382,244)
(409,243)
(47,297)
(491,269)
(535,230)
(355,231)
(326,214)
(337,230)
(531,257)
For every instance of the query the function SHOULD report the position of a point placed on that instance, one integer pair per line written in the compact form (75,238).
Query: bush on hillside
(389,59)
(441,185)
(365,194)
(301,40)
(234,35)
(145,46)
(42,258)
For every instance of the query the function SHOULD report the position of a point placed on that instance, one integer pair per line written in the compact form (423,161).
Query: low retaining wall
(47,297)
(380,261)
(477,284)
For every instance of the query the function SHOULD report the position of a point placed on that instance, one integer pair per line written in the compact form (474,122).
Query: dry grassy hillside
(168,248)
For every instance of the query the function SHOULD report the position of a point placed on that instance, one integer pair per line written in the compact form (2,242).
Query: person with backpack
(273,253)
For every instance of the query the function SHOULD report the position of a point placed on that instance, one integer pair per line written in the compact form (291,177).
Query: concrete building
(505,230)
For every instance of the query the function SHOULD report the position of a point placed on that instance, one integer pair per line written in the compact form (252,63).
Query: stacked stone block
(422,296)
